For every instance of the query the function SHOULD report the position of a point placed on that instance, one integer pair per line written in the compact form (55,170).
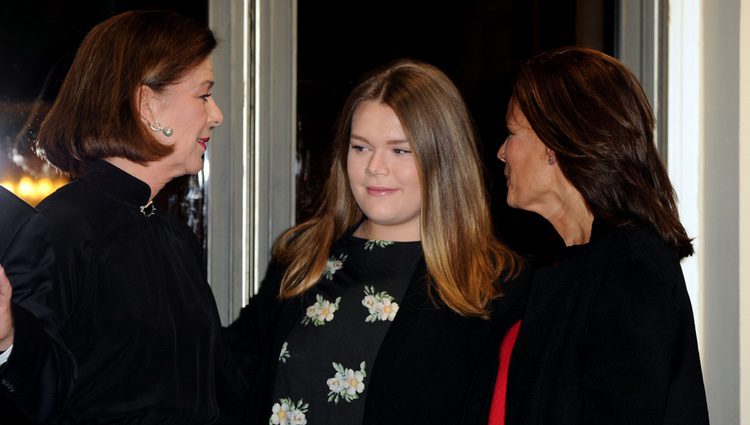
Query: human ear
(551,158)
(146,100)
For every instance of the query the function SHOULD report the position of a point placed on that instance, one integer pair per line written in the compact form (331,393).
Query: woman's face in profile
(383,173)
(188,108)
(530,177)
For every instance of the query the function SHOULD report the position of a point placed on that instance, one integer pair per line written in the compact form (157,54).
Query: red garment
(497,411)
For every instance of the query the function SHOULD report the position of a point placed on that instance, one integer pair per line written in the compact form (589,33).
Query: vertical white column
(720,215)
(251,164)
(227,164)
(744,167)
(275,101)
(685,132)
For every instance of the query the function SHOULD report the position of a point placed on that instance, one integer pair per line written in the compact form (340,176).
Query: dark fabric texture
(40,373)
(434,366)
(608,338)
(326,359)
(135,308)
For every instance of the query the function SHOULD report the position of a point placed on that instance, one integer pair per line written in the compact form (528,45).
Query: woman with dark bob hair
(384,306)
(608,334)
(134,111)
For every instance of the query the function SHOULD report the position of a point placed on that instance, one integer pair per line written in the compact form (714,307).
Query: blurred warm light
(26,188)
(33,190)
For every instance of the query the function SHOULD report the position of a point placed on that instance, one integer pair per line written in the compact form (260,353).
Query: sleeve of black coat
(248,336)
(641,363)
(40,373)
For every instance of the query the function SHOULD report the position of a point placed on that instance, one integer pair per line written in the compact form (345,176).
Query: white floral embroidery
(284,354)
(321,312)
(369,245)
(298,417)
(334,264)
(286,412)
(347,384)
(370,302)
(387,310)
(380,305)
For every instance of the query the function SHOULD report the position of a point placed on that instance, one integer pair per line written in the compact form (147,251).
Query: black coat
(434,365)
(135,307)
(39,375)
(608,338)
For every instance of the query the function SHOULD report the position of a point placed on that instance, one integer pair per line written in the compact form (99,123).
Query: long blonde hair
(464,259)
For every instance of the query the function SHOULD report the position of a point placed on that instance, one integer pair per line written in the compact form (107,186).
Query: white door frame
(251,165)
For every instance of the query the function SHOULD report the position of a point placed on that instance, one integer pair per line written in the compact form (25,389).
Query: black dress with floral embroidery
(324,363)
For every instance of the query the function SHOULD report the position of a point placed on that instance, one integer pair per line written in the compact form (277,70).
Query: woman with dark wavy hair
(608,335)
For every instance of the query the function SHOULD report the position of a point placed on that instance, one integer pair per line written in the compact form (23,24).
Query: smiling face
(383,174)
(530,177)
(189,109)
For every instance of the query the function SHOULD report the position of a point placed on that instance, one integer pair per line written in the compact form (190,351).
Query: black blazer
(434,366)
(39,375)
(608,338)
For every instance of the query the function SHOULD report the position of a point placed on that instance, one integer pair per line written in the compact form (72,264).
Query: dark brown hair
(464,259)
(591,111)
(96,114)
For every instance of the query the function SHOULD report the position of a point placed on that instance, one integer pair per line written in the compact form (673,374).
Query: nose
(215,116)
(376,166)
(501,152)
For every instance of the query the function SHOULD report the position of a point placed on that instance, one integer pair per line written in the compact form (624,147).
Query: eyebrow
(389,142)
(208,83)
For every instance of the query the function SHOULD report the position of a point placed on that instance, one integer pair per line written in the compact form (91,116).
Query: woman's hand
(6,316)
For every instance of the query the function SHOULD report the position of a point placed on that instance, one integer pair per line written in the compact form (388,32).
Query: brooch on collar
(149,209)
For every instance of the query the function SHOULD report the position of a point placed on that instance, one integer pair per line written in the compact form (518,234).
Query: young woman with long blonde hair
(381,308)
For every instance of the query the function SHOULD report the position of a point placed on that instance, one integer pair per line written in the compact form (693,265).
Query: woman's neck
(149,173)
(572,219)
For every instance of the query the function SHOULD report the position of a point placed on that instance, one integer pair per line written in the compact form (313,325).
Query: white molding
(250,162)
(744,182)
(642,45)
(227,171)
(275,114)
(720,221)
(685,127)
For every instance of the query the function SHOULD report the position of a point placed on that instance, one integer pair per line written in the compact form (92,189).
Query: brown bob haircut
(591,111)
(96,114)
(464,259)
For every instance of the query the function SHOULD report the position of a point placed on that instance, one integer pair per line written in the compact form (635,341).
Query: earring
(165,131)
(550,158)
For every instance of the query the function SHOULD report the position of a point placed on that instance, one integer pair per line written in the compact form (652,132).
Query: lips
(203,141)
(379,191)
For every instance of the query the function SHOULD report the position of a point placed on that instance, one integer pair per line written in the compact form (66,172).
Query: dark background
(40,37)
(477,43)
